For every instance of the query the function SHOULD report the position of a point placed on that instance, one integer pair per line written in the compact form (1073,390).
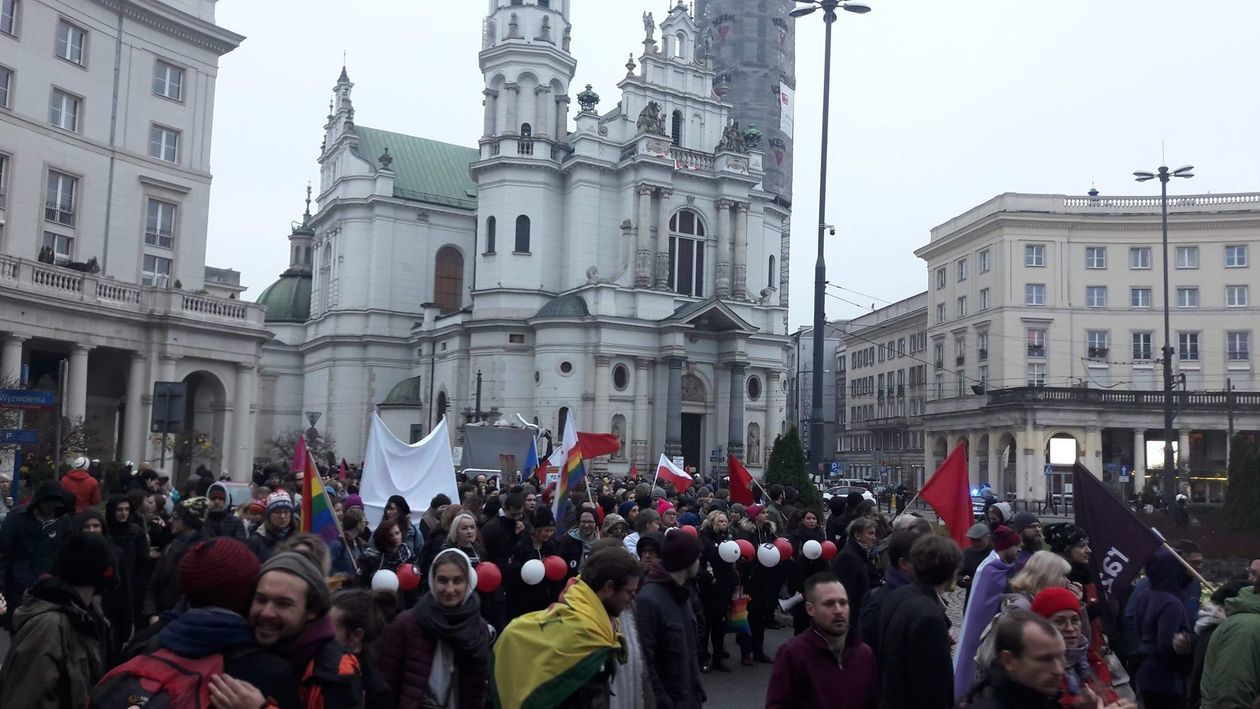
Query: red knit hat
(219,572)
(1004,538)
(1055,599)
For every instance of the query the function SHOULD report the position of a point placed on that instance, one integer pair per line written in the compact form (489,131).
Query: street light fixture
(816,427)
(1168,480)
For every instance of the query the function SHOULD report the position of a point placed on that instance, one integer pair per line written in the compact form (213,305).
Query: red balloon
(408,577)
(555,567)
(488,577)
(690,529)
(746,549)
(829,550)
(785,548)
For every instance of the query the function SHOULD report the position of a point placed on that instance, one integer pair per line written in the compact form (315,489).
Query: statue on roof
(651,119)
(385,159)
(732,140)
(649,27)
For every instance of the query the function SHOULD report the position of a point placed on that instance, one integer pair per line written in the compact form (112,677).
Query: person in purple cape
(984,602)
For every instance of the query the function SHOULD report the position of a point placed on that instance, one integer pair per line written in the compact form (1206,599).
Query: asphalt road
(744,686)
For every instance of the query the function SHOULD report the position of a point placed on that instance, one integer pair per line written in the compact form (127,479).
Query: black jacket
(995,690)
(500,537)
(28,546)
(667,634)
(854,568)
(521,597)
(915,669)
(224,524)
(163,591)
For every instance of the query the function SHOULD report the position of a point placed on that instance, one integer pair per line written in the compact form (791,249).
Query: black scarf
(462,627)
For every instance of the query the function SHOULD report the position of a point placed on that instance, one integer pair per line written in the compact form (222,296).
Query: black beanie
(543,517)
(86,560)
(679,550)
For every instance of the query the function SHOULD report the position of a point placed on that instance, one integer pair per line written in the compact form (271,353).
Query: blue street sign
(835,468)
(26,399)
(20,436)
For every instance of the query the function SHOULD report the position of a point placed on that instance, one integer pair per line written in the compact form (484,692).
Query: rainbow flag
(570,476)
(737,621)
(317,511)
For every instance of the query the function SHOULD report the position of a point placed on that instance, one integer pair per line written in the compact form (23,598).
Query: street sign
(715,455)
(1049,469)
(168,406)
(27,399)
(834,468)
(20,436)
(678,460)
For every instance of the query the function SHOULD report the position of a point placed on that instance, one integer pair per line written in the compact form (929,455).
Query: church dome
(404,393)
(288,299)
(564,306)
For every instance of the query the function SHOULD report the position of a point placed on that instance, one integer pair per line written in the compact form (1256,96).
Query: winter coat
(28,546)
(996,690)
(163,591)
(521,597)
(224,524)
(1230,680)
(264,540)
(574,550)
(57,655)
(800,568)
(868,619)
(717,579)
(85,489)
(406,654)
(855,569)
(914,650)
(667,634)
(807,674)
(1160,615)
(500,537)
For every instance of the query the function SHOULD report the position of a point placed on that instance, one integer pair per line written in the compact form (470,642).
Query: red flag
(741,481)
(342,470)
(299,455)
(594,445)
(634,472)
(948,492)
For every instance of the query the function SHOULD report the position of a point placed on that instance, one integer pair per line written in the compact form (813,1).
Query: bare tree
(321,445)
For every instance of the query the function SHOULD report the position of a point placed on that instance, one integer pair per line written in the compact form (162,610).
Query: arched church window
(527,131)
(772,276)
(680,45)
(448,279)
(686,254)
(522,235)
(442,405)
(490,228)
(675,128)
(561,419)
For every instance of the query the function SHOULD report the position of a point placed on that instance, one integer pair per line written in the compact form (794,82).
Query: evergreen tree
(787,467)
(1242,498)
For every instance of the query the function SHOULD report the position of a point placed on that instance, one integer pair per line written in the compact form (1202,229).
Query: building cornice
(177,23)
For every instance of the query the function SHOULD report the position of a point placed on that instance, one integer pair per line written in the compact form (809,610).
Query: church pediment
(711,315)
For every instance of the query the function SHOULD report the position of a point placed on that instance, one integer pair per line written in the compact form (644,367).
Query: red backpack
(158,680)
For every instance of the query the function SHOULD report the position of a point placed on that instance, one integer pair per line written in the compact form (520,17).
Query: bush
(1242,498)
(787,467)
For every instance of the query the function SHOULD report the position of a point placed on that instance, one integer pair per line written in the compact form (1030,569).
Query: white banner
(417,471)
(787,109)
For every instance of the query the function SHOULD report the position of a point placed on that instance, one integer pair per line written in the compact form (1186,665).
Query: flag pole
(1191,569)
(341,533)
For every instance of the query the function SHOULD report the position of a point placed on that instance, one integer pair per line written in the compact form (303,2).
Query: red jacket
(806,674)
(86,491)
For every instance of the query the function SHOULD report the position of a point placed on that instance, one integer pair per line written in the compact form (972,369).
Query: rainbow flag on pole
(569,460)
(317,511)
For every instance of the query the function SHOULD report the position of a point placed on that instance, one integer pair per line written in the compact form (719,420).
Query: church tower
(527,67)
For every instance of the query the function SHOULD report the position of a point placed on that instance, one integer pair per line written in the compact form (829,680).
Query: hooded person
(983,603)
(133,560)
(279,523)
(667,623)
(835,520)
(30,538)
(162,593)
(115,598)
(998,513)
(220,522)
(437,653)
(1163,633)
(80,484)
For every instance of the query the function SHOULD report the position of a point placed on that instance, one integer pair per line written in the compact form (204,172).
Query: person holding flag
(676,476)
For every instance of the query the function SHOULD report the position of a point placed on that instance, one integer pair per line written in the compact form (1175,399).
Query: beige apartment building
(1045,329)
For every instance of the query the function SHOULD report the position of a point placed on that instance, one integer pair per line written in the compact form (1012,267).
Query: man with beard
(575,546)
(667,623)
(1028,526)
(826,666)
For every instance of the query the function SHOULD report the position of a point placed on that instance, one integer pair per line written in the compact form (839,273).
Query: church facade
(622,267)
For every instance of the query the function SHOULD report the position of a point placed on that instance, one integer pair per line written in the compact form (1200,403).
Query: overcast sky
(936,107)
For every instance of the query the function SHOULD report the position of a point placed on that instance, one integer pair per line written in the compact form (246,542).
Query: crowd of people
(123,597)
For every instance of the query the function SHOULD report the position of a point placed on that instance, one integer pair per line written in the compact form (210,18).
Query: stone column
(540,110)
(603,414)
(722,280)
(673,409)
(1183,458)
(995,463)
(642,413)
(973,457)
(1139,460)
(135,423)
(242,458)
(11,359)
(739,271)
(774,406)
(735,420)
(513,99)
(492,111)
(643,240)
(1093,457)
(562,117)
(76,384)
(662,239)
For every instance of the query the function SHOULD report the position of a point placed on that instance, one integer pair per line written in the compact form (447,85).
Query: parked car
(844,490)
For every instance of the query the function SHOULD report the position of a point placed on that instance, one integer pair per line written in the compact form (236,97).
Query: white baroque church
(625,266)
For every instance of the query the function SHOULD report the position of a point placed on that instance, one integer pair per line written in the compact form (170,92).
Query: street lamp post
(816,423)
(1168,480)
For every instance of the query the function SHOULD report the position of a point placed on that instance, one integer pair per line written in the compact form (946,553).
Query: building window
(938,354)
(961,378)
(1142,345)
(1140,297)
(982,345)
(59,199)
(522,235)
(157,271)
(985,261)
(962,269)
(1096,296)
(490,227)
(168,80)
(516,338)
(754,388)
(1035,294)
(686,254)
(159,228)
(62,247)
(962,306)
(940,278)
(163,143)
(1035,255)
(448,279)
(940,386)
(70,42)
(620,377)
(1237,346)
(772,275)
(1188,346)
(984,299)
(1098,343)
(940,312)
(675,128)
(6,85)
(1187,297)
(1036,374)
(901,341)
(1235,296)
(1187,257)
(1236,256)
(1095,257)
(1140,258)
(983,375)
(63,110)
(1036,342)
(8,16)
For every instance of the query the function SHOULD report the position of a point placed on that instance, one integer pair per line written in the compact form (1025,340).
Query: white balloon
(533,572)
(384,580)
(811,549)
(768,555)
(729,551)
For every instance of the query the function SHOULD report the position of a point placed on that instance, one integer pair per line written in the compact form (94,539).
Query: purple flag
(1120,541)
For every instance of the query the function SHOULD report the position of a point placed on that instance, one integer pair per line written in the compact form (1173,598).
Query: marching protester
(115,599)
(397,509)
(30,538)
(717,582)
(1231,679)
(220,522)
(854,566)
(981,538)
(1164,634)
(1027,669)
(359,618)
(801,568)
(1085,673)
(501,534)
(278,525)
(898,572)
(762,586)
(523,597)
(186,529)
(983,602)
(645,522)
(79,484)
(667,624)
(1028,526)
(576,544)
(133,559)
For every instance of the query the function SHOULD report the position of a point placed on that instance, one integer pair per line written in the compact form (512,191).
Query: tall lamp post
(1168,480)
(816,423)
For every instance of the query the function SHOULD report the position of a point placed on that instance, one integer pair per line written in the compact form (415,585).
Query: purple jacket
(806,674)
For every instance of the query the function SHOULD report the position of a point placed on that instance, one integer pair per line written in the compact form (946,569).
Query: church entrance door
(693,442)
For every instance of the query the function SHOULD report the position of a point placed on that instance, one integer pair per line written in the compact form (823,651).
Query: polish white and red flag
(677,476)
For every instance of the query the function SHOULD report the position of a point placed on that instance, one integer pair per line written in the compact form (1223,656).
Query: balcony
(960,360)
(1036,350)
(1099,353)
(1109,398)
(983,355)
(58,285)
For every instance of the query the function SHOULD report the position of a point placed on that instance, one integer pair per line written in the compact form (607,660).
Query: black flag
(1121,544)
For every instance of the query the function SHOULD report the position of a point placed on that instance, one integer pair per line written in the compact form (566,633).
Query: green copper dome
(405,393)
(565,306)
(288,299)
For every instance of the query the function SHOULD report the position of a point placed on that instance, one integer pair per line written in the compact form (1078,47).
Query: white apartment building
(886,372)
(1045,330)
(106,109)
